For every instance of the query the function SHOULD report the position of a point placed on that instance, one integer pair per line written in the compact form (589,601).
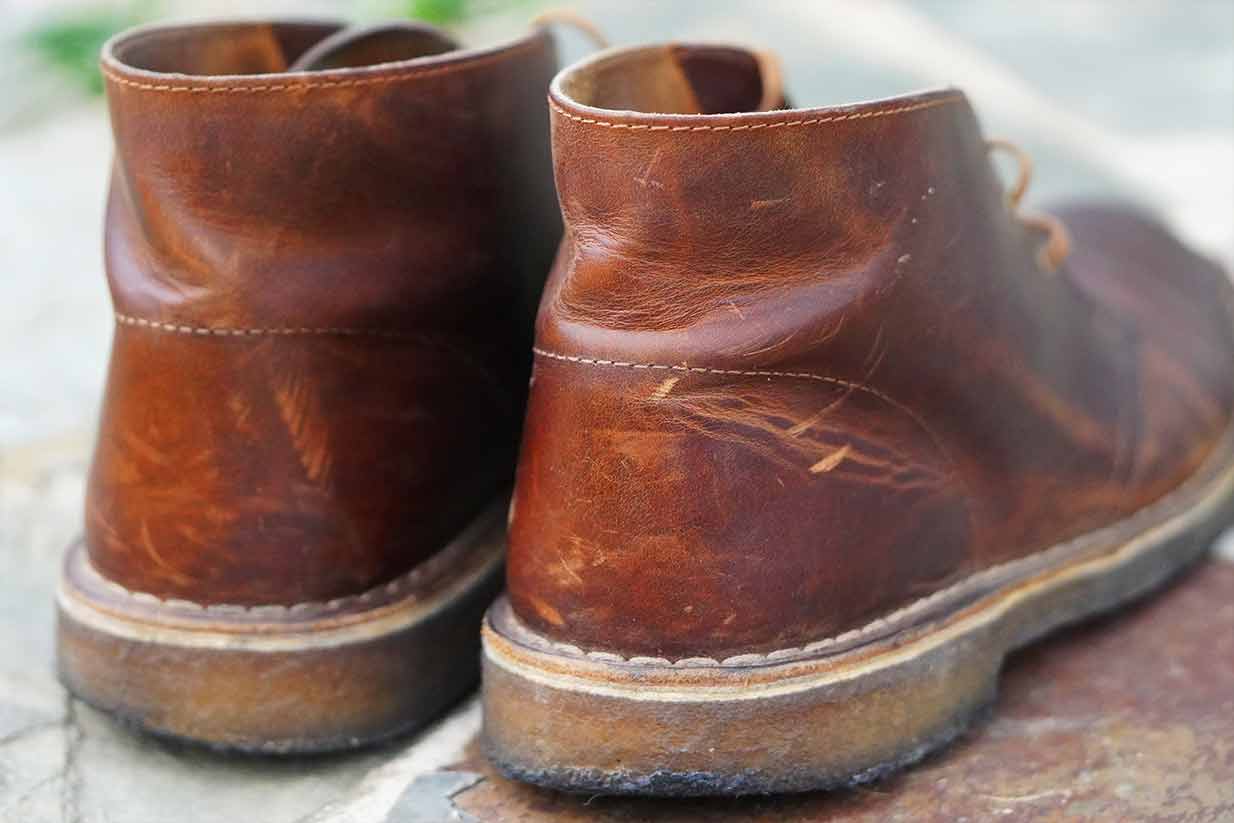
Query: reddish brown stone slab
(1127,718)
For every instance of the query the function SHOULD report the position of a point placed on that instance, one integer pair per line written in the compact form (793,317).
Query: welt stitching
(409,74)
(800,375)
(776,124)
(876,627)
(428,571)
(389,588)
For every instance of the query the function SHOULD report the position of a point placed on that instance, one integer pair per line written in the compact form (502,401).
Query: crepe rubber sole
(312,677)
(837,712)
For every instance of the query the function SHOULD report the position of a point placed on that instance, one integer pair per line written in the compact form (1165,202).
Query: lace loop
(574,20)
(1058,240)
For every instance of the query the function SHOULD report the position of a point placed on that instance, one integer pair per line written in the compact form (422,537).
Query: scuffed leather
(799,368)
(325,284)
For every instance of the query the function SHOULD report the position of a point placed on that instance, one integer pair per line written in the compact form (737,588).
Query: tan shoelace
(1058,240)
(574,20)
(768,63)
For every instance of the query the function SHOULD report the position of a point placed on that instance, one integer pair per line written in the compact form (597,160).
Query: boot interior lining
(675,79)
(221,49)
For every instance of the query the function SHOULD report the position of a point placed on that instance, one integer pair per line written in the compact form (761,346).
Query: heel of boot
(591,723)
(309,678)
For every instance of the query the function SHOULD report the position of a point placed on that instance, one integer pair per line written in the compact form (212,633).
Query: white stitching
(292,331)
(812,121)
(873,627)
(427,570)
(1041,558)
(309,85)
(285,331)
(269,610)
(1037,561)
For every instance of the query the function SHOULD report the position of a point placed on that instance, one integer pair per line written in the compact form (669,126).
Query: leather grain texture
(324,282)
(797,369)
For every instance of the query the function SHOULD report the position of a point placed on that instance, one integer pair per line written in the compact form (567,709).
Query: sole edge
(586,726)
(295,688)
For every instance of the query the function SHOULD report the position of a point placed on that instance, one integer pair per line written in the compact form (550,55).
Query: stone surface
(1126,719)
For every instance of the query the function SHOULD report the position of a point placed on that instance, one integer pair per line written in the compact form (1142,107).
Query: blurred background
(1126,98)
(1130,98)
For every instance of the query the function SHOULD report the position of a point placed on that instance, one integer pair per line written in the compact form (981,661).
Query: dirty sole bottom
(807,719)
(273,679)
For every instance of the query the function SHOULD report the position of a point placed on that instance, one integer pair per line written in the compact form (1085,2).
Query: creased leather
(799,368)
(325,282)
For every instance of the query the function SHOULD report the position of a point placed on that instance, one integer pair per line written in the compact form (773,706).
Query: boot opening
(675,79)
(221,48)
(232,49)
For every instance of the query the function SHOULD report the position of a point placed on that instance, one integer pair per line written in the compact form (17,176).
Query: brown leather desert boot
(324,250)
(821,427)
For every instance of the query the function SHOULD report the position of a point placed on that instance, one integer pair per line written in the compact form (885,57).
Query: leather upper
(797,369)
(324,283)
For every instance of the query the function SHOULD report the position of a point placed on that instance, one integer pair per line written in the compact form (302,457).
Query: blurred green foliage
(445,12)
(437,11)
(71,43)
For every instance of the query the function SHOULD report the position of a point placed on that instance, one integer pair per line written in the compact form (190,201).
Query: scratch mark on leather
(753,418)
(1009,572)
(768,373)
(547,612)
(878,351)
(755,205)
(138,445)
(412,584)
(645,179)
(813,420)
(297,409)
(241,413)
(832,460)
(832,333)
(770,346)
(147,543)
(573,575)
(1080,426)
(190,533)
(664,388)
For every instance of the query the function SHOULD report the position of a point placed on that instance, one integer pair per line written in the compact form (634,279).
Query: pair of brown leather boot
(821,424)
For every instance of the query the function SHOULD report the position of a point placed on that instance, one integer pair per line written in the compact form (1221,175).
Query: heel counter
(676,511)
(285,469)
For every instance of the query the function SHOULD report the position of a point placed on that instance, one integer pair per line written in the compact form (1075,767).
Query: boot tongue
(371,45)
